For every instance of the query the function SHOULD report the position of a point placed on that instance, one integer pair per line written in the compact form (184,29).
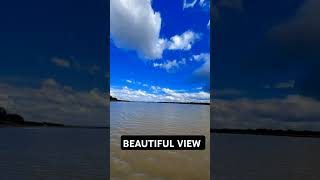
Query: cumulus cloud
(74,65)
(170,65)
(183,41)
(189,4)
(202,2)
(282,85)
(159,94)
(204,69)
(64,63)
(155,89)
(136,26)
(292,112)
(208,25)
(303,30)
(202,57)
(135,82)
(53,102)
(49,83)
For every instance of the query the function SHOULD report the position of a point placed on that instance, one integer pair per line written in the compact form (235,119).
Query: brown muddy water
(132,118)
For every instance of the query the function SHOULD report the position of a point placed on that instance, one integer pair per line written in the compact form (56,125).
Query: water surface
(131,118)
(251,157)
(53,153)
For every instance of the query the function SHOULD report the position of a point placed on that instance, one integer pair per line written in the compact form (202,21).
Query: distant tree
(113,99)
(15,118)
(3,113)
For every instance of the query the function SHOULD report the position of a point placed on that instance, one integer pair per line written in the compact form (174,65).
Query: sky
(54,60)
(160,51)
(265,66)
(264,59)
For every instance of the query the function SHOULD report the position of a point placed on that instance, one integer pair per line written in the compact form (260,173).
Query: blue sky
(54,60)
(160,52)
(35,34)
(265,66)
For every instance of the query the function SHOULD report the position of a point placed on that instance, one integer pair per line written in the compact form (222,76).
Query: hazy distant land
(15,120)
(269,132)
(195,103)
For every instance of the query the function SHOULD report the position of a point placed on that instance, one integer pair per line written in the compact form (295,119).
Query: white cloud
(159,95)
(169,65)
(291,112)
(183,41)
(135,82)
(202,2)
(202,57)
(302,30)
(282,85)
(49,83)
(53,102)
(187,96)
(135,25)
(189,5)
(155,89)
(64,63)
(208,25)
(74,65)
(203,70)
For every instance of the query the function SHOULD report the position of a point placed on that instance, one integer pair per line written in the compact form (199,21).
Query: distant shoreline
(268,132)
(15,120)
(113,99)
(48,125)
